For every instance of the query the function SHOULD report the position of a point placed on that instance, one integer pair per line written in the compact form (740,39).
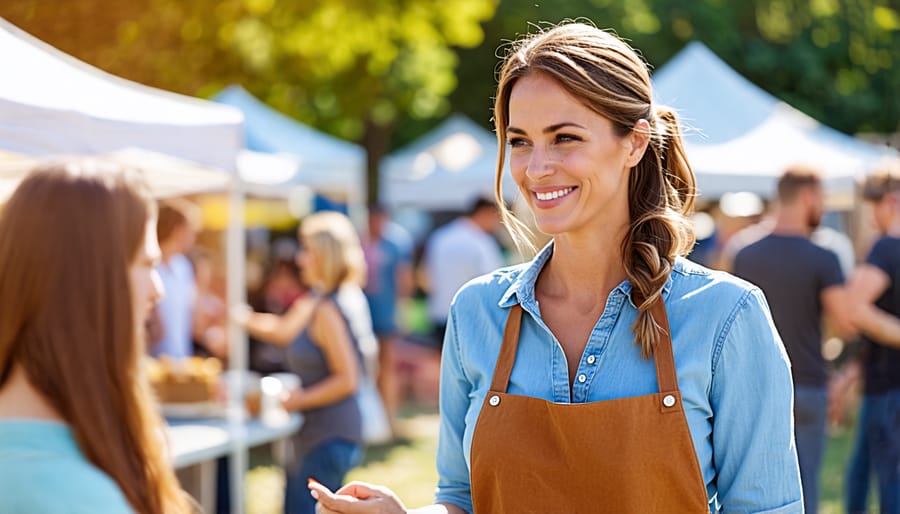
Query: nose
(540,164)
(157,290)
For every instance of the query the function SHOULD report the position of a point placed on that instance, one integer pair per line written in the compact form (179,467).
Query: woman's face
(570,165)
(146,287)
(309,268)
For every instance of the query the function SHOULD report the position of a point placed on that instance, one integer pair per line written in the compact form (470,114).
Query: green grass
(407,467)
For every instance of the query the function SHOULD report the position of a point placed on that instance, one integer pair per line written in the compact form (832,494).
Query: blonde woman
(79,431)
(326,333)
(608,374)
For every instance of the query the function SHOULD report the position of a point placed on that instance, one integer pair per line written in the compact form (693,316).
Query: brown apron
(628,455)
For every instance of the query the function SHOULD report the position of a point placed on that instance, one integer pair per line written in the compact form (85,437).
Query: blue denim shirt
(733,373)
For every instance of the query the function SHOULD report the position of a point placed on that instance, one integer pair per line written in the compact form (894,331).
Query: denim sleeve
(752,400)
(453,472)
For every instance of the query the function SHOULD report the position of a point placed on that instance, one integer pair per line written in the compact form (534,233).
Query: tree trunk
(376,140)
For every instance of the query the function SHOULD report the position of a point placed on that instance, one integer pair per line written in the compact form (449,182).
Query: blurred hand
(215,340)
(356,498)
(290,399)
(840,388)
(240,313)
(837,405)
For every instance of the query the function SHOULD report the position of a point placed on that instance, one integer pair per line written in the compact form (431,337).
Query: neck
(19,399)
(791,221)
(894,229)
(167,251)
(584,267)
(480,223)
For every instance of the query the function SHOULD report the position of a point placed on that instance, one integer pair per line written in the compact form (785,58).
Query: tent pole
(237,343)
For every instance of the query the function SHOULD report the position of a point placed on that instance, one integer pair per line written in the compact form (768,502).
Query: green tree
(836,60)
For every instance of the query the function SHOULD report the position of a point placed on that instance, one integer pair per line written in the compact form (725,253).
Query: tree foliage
(836,60)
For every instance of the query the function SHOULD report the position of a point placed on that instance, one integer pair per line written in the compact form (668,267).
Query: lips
(553,194)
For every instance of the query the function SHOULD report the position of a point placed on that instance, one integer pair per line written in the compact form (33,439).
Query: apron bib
(623,456)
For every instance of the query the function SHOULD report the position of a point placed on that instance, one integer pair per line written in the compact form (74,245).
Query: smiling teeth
(554,194)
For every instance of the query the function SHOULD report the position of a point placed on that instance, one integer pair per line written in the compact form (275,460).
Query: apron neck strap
(508,349)
(666,376)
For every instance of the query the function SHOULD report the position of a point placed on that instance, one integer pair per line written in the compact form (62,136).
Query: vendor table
(196,444)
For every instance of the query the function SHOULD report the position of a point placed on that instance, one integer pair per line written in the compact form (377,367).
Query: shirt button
(494,401)
(669,400)
(591,359)
(582,378)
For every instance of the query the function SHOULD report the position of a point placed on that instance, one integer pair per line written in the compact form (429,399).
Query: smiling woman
(609,374)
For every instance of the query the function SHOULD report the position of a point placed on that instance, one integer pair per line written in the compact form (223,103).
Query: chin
(550,228)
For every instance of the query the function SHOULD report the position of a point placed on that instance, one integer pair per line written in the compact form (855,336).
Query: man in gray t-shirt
(801,281)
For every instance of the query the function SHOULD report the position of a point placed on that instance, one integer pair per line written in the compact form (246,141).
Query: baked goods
(188,380)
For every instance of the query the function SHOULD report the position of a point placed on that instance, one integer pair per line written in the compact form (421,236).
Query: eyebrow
(548,130)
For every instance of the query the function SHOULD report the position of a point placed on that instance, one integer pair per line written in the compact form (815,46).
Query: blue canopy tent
(326,164)
(740,138)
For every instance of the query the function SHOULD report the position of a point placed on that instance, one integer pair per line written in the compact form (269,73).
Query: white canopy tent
(52,104)
(445,169)
(740,138)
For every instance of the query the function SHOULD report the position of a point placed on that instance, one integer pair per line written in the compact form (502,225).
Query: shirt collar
(522,289)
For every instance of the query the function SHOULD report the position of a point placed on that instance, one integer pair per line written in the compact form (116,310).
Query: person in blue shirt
(79,429)
(608,374)
(388,251)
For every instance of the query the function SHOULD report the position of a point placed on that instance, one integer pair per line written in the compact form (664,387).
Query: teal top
(42,471)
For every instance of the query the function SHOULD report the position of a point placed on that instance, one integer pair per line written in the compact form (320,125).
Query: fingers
(330,502)
(361,490)
(356,498)
(240,313)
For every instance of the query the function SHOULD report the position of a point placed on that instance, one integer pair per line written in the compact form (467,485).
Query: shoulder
(332,308)
(490,287)
(886,245)
(726,305)
(181,263)
(751,246)
(885,254)
(691,281)
(78,487)
(437,239)
(348,296)
(714,296)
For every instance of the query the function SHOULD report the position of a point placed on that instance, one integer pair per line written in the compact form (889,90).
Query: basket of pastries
(181,381)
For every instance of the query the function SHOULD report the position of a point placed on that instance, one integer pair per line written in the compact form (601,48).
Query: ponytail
(661,196)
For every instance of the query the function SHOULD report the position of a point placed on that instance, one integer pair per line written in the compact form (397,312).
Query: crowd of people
(608,373)
(327,310)
(805,286)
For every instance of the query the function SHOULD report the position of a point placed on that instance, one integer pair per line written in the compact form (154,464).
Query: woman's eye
(565,138)
(516,142)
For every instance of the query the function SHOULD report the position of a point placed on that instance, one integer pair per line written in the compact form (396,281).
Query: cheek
(518,164)
(142,285)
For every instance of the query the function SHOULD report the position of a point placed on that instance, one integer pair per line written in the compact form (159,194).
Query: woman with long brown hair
(608,374)
(79,431)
